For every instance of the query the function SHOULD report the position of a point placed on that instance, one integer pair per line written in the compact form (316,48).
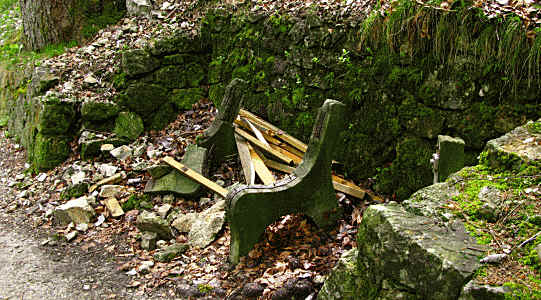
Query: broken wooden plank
(245,159)
(262,171)
(348,190)
(264,147)
(257,133)
(109,180)
(339,184)
(113,207)
(196,176)
(276,131)
(297,160)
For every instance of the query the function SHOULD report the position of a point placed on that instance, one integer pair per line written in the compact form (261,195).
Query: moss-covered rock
(56,116)
(49,151)
(143,98)
(343,281)
(128,125)
(178,77)
(99,111)
(165,115)
(138,61)
(74,191)
(185,98)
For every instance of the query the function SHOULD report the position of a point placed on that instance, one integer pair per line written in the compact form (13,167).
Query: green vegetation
(502,220)
(137,201)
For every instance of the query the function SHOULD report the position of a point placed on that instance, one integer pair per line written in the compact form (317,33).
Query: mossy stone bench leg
(219,138)
(308,190)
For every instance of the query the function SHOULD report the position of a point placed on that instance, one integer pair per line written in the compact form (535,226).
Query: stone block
(451,156)
(98,111)
(138,61)
(416,256)
(77,211)
(128,125)
(148,240)
(309,190)
(49,151)
(170,252)
(149,221)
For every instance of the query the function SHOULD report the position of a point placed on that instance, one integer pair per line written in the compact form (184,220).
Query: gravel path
(29,269)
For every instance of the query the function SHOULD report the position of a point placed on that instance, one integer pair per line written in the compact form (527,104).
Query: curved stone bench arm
(308,190)
(219,138)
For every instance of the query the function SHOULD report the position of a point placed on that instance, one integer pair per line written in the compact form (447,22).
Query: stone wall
(402,87)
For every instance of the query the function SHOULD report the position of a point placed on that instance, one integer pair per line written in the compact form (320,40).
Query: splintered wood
(267,142)
(196,176)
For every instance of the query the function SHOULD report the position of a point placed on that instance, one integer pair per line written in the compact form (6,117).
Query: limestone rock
(183,222)
(207,224)
(344,280)
(149,221)
(76,211)
(514,150)
(122,152)
(400,252)
(492,198)
(451,156)
(110,191)
(170,252)
(138,61)
(164,210)
(430,201)
(473,291)
(174,181)
(140,8)
(128,125)
(148,240)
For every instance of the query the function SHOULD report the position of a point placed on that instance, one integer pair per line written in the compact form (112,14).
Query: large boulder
(402,255)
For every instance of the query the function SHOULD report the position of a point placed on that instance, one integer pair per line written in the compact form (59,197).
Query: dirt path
(31,270)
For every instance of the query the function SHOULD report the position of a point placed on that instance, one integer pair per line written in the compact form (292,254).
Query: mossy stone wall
(402,87)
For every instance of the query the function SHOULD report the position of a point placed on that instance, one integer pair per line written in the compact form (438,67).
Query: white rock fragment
(493,258)
(78,177)
(41,177)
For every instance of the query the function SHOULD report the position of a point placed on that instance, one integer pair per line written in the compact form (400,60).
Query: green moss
(128,125)
(135,201)
(185,98)
(48,152)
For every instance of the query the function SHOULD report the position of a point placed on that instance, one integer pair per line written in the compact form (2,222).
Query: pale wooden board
(277,131)
(297,160)
(109,180)
(257,133)
(196,176)
(262,171)
(264,147)
(114,207)
(245,159)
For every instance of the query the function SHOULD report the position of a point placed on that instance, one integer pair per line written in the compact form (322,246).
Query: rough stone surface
(138,61)
(420,257)
(149,221)
(252,208)
(492,199)
(110,191)
(122,152)
(170,252)
(183,222)
(344,280)
(207,224)
(431,200)
(148,240)
(76,211)
(195,159)
(515,149)
(473,291)
(128,125)
(139,8)
(451,156)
